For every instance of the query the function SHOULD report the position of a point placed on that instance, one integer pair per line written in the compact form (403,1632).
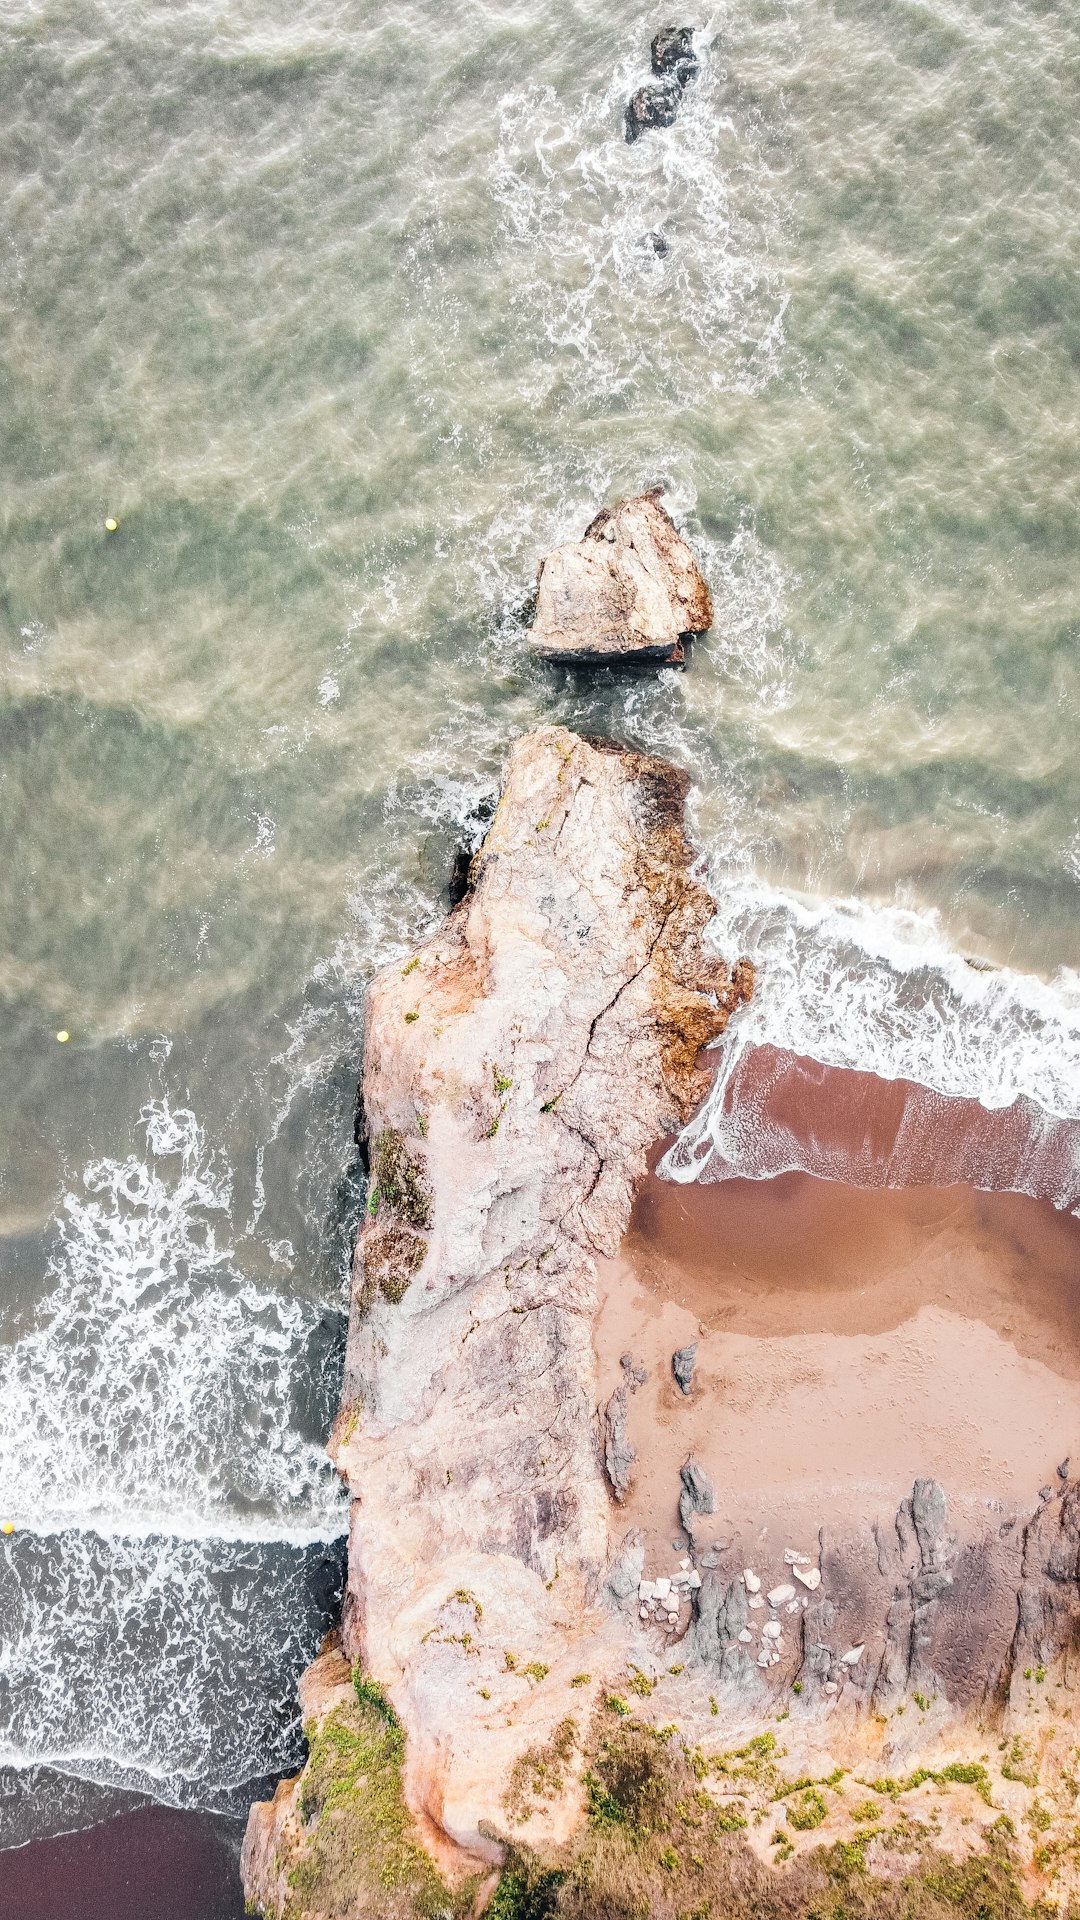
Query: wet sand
(850,1340)
(784,1112)
(155,1864)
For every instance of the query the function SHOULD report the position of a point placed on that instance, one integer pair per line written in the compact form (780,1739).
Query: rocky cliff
(501,1631)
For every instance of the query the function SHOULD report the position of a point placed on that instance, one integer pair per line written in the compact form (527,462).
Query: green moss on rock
(359,1853)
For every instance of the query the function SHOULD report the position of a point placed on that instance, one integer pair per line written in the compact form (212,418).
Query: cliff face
(517,1069)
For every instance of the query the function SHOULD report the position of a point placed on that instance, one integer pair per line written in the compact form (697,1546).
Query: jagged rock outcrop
(628,590)
(517,1069)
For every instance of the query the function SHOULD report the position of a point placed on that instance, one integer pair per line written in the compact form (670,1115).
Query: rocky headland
(514,1655)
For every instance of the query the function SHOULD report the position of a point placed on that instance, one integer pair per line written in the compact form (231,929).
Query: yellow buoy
(111,526)
(9,1526)
(63,1035)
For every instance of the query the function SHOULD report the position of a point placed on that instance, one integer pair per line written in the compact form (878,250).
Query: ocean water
(347,314)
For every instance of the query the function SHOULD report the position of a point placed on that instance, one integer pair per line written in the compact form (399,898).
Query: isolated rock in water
(673,53)
(619,1454)
(682,1366)
(636,1373)
(630,589)
(656,105)
(698,1493)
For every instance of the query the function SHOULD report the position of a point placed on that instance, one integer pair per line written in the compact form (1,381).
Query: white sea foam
(166,1666)
(879,990)
(635,258)
(177,1532)
(157,1385)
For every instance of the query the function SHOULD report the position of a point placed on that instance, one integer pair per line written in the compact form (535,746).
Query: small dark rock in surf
(673,52)
(1063,1468)
(653,106)
(682,1366)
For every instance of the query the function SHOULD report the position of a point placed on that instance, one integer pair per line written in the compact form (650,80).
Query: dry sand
(850,1341)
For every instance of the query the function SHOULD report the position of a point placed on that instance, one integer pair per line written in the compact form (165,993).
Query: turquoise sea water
(347,314)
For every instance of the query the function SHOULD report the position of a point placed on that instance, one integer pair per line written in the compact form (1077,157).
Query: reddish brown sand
(845,1125)
(150,1865)
(850,1340)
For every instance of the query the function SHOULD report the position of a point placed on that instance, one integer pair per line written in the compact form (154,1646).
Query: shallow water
(346,315)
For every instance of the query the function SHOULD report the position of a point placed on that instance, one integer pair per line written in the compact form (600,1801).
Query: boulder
(673,53)
(682,1366)
(619,1451)
(656,105)
(628,591)
(698,1493)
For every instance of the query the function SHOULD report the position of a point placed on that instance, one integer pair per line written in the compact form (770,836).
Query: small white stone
(643,1613)
(779,1594)
(673,1619)
(810,1577)
(764,1658)
(775,1661)
(792,1607)
(695,1580)
(755,1600)
(853,1655)
(662,1588)
(772,1630)
(793,1559)
(745,1635)
(751,1581)
(646,1590)
(685,1565)
(829,1687)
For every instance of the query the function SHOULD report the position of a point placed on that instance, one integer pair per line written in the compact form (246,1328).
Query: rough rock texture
(517,1069)
(682,1366)
(675,63)
(673,52)
(630,589)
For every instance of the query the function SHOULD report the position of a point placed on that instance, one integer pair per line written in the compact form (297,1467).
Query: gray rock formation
(698,1495)
(682,1366)
(628,590)
(619,1453)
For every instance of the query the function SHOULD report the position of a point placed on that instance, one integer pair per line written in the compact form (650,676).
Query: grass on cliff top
(656,1846)
(359,1854)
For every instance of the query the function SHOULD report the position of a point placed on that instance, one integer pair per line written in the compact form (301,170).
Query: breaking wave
(178,1527)
(879,995)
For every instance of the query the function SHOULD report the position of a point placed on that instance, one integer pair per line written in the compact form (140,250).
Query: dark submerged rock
(673,53)
(653,106)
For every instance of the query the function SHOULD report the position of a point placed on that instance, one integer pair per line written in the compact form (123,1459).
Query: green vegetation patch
(399,1179)
(959,1773)
(806,1810)
(360,1853)
(538,1776)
